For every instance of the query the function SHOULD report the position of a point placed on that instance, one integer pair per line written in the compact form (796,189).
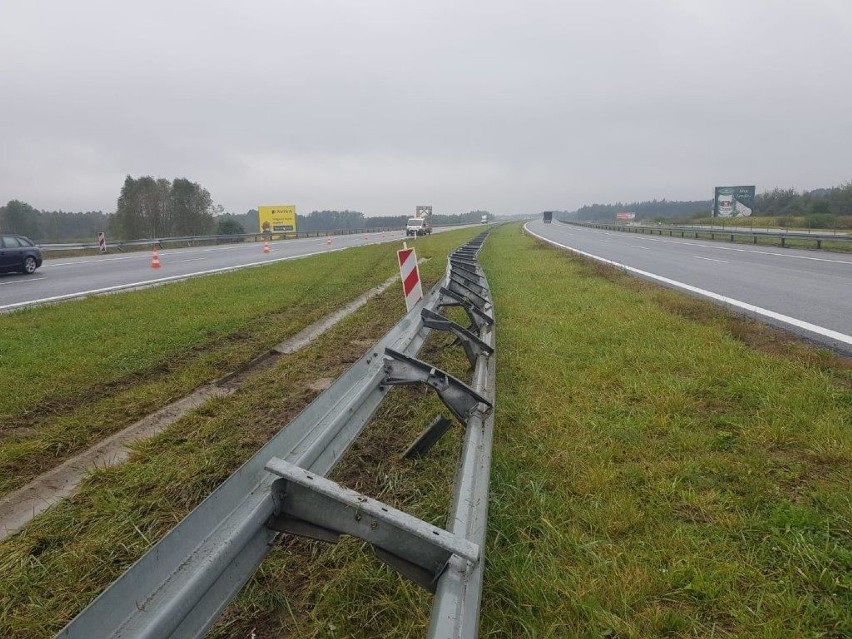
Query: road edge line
(825,333)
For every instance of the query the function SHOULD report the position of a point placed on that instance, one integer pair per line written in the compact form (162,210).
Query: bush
(821,221)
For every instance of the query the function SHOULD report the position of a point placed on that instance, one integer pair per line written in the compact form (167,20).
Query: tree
(229,226)
(19,217)
(189,208)
(149,207)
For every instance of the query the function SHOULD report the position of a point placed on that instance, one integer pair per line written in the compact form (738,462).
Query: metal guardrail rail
(696,231)
(185,581)
(191,240)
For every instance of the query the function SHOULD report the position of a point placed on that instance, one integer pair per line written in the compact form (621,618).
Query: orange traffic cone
(266,247)
(155,259)
(365,236)
(328,240)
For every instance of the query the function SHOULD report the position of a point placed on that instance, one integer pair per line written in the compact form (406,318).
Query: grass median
(75,372)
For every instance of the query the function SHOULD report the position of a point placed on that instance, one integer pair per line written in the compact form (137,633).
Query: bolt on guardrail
(185,581)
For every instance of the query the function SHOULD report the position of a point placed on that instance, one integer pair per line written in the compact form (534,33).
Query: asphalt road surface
(67,278)
(807,292)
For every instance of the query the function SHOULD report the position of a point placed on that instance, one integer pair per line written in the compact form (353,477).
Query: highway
(807,292)
(61,278)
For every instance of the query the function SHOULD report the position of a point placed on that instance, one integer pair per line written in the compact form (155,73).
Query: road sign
(102,242)
(410,275)
(733,201)
(277,219)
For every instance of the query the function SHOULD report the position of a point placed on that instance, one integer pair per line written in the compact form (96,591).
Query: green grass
(76,372)
(654,475)
(660,469)
(720,236)
(798,223)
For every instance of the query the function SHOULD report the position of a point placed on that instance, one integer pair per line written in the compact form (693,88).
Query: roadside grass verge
(653,473)
(67,555)
(75,372)
(789,242)
(719,235)
(792,223)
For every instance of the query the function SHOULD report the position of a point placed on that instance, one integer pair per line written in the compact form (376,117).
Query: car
(19,253)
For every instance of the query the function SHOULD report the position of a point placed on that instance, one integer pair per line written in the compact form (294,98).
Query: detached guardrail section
(697,231)
(184,582)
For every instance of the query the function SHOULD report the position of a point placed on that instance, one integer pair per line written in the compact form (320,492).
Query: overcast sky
(380,106)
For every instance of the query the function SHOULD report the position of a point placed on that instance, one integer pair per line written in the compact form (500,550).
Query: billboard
(733,201)
(625,215)
(279,218)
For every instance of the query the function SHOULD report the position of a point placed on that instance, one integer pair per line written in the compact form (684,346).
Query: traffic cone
(155,259)
(266,247)
(365,236)
(328,240)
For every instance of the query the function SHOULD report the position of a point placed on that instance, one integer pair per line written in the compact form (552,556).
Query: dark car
(18,253)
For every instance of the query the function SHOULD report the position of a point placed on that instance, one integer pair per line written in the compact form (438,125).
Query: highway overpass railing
(715,232)
(185,581)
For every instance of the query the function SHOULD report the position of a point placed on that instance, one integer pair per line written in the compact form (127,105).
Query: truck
(421,223)
(484,219)
(548,217)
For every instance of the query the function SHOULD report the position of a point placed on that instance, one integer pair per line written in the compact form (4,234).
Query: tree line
(21,218)
(151,207)
(345,220)
(826,203)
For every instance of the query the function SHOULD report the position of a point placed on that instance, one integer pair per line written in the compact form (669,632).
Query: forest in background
(149,207)
(821,207)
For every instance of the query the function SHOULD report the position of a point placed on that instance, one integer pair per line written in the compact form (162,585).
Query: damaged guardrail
(185,581)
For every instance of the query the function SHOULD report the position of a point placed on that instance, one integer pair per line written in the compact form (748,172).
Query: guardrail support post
(461,399)
(310,505)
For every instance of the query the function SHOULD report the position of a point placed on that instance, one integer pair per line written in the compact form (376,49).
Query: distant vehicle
(421,223)
(548,217)
(18,253)
(484,219)
(417,226)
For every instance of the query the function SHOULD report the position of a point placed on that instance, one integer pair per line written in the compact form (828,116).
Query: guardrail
(191,240)
(713,232)
(185,581)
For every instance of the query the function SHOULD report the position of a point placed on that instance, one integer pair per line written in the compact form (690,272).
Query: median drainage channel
(18,507)
(187,579)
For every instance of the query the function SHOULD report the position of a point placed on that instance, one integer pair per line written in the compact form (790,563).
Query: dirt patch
(321,384)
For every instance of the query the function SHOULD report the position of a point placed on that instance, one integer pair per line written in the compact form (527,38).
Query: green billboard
(733,201)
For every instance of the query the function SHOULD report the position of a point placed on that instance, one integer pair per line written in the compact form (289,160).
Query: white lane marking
(644,248)
(194,259)
(669,240)
(24,281)
(792,321)
(177,278)
(162,280)
(710,259)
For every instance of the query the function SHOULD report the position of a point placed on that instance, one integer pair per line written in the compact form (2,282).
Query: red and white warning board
(410,275)
(102,242)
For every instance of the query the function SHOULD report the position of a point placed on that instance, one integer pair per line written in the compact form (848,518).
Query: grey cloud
(510,106)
